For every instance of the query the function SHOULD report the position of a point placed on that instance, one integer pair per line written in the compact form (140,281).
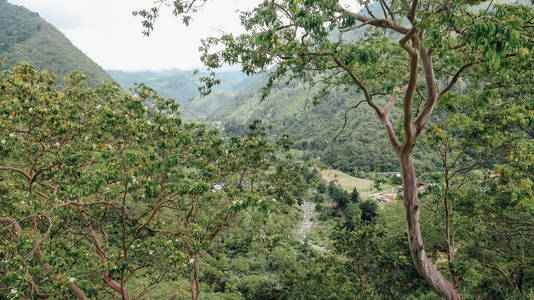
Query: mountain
(177,84)
(25,36)
(361,147)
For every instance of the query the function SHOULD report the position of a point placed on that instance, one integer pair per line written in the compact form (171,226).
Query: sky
(107,32)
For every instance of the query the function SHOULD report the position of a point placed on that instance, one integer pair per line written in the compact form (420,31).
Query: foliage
(484,189)
(354,196)
(97,189)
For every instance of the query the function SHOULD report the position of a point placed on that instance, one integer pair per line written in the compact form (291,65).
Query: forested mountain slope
(25,36)
(177,84)
(361,146)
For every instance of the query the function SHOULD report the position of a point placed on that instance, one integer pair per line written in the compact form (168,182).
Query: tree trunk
(195,286)
(424,264)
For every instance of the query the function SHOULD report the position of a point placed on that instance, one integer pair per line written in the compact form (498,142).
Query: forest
(271,186)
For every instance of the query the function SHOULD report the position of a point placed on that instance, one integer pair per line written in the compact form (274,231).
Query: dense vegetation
(414,50)
(317,127)
(109,195)
(24,36)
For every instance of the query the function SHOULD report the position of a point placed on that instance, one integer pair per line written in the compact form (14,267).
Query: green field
(348,183)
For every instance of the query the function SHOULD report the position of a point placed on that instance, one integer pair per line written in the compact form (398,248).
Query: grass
(348,183)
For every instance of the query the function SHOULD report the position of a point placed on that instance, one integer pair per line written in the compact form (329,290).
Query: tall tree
(91,200)
(417,50)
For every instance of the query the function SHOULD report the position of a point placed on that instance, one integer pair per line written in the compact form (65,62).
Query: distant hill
(178,84)
(25,36)
(361,147)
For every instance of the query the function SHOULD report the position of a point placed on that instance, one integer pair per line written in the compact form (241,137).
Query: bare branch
(454,79)
(383,23)
(360,84)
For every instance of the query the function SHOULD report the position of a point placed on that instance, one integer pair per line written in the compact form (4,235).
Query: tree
(98,188)
(408,49)
(369,210)
(354,196)
(483,148)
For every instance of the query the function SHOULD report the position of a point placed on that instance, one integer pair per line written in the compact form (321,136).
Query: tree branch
(360,84)
(16,226)
(387,122)
(454,79)
(107,278)
(383,23)
(431,97)
(6,168)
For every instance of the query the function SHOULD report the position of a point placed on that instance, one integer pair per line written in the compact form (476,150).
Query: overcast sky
(107,32)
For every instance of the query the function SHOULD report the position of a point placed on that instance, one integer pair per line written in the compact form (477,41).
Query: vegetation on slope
(317,128)
(180,85)
(24,36)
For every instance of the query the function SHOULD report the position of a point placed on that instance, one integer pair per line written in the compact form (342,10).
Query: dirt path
(306,225)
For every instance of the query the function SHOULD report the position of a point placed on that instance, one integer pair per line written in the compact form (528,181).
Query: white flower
(191,260)
(240,202)
(161,128)
(149,123)
(14,291)
(234,202)
(134,180)
(94,146)
(217,187)
(3,141)
(72,279)
(98,106)
(86,138)
(31,109)
(151,252)
(57,144)
(11,135)
(169,241)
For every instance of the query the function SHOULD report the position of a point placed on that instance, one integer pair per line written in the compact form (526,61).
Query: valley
(322,150)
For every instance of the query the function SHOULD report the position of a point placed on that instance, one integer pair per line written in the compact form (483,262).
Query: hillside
(177,84)
(25,36)
(361,147)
